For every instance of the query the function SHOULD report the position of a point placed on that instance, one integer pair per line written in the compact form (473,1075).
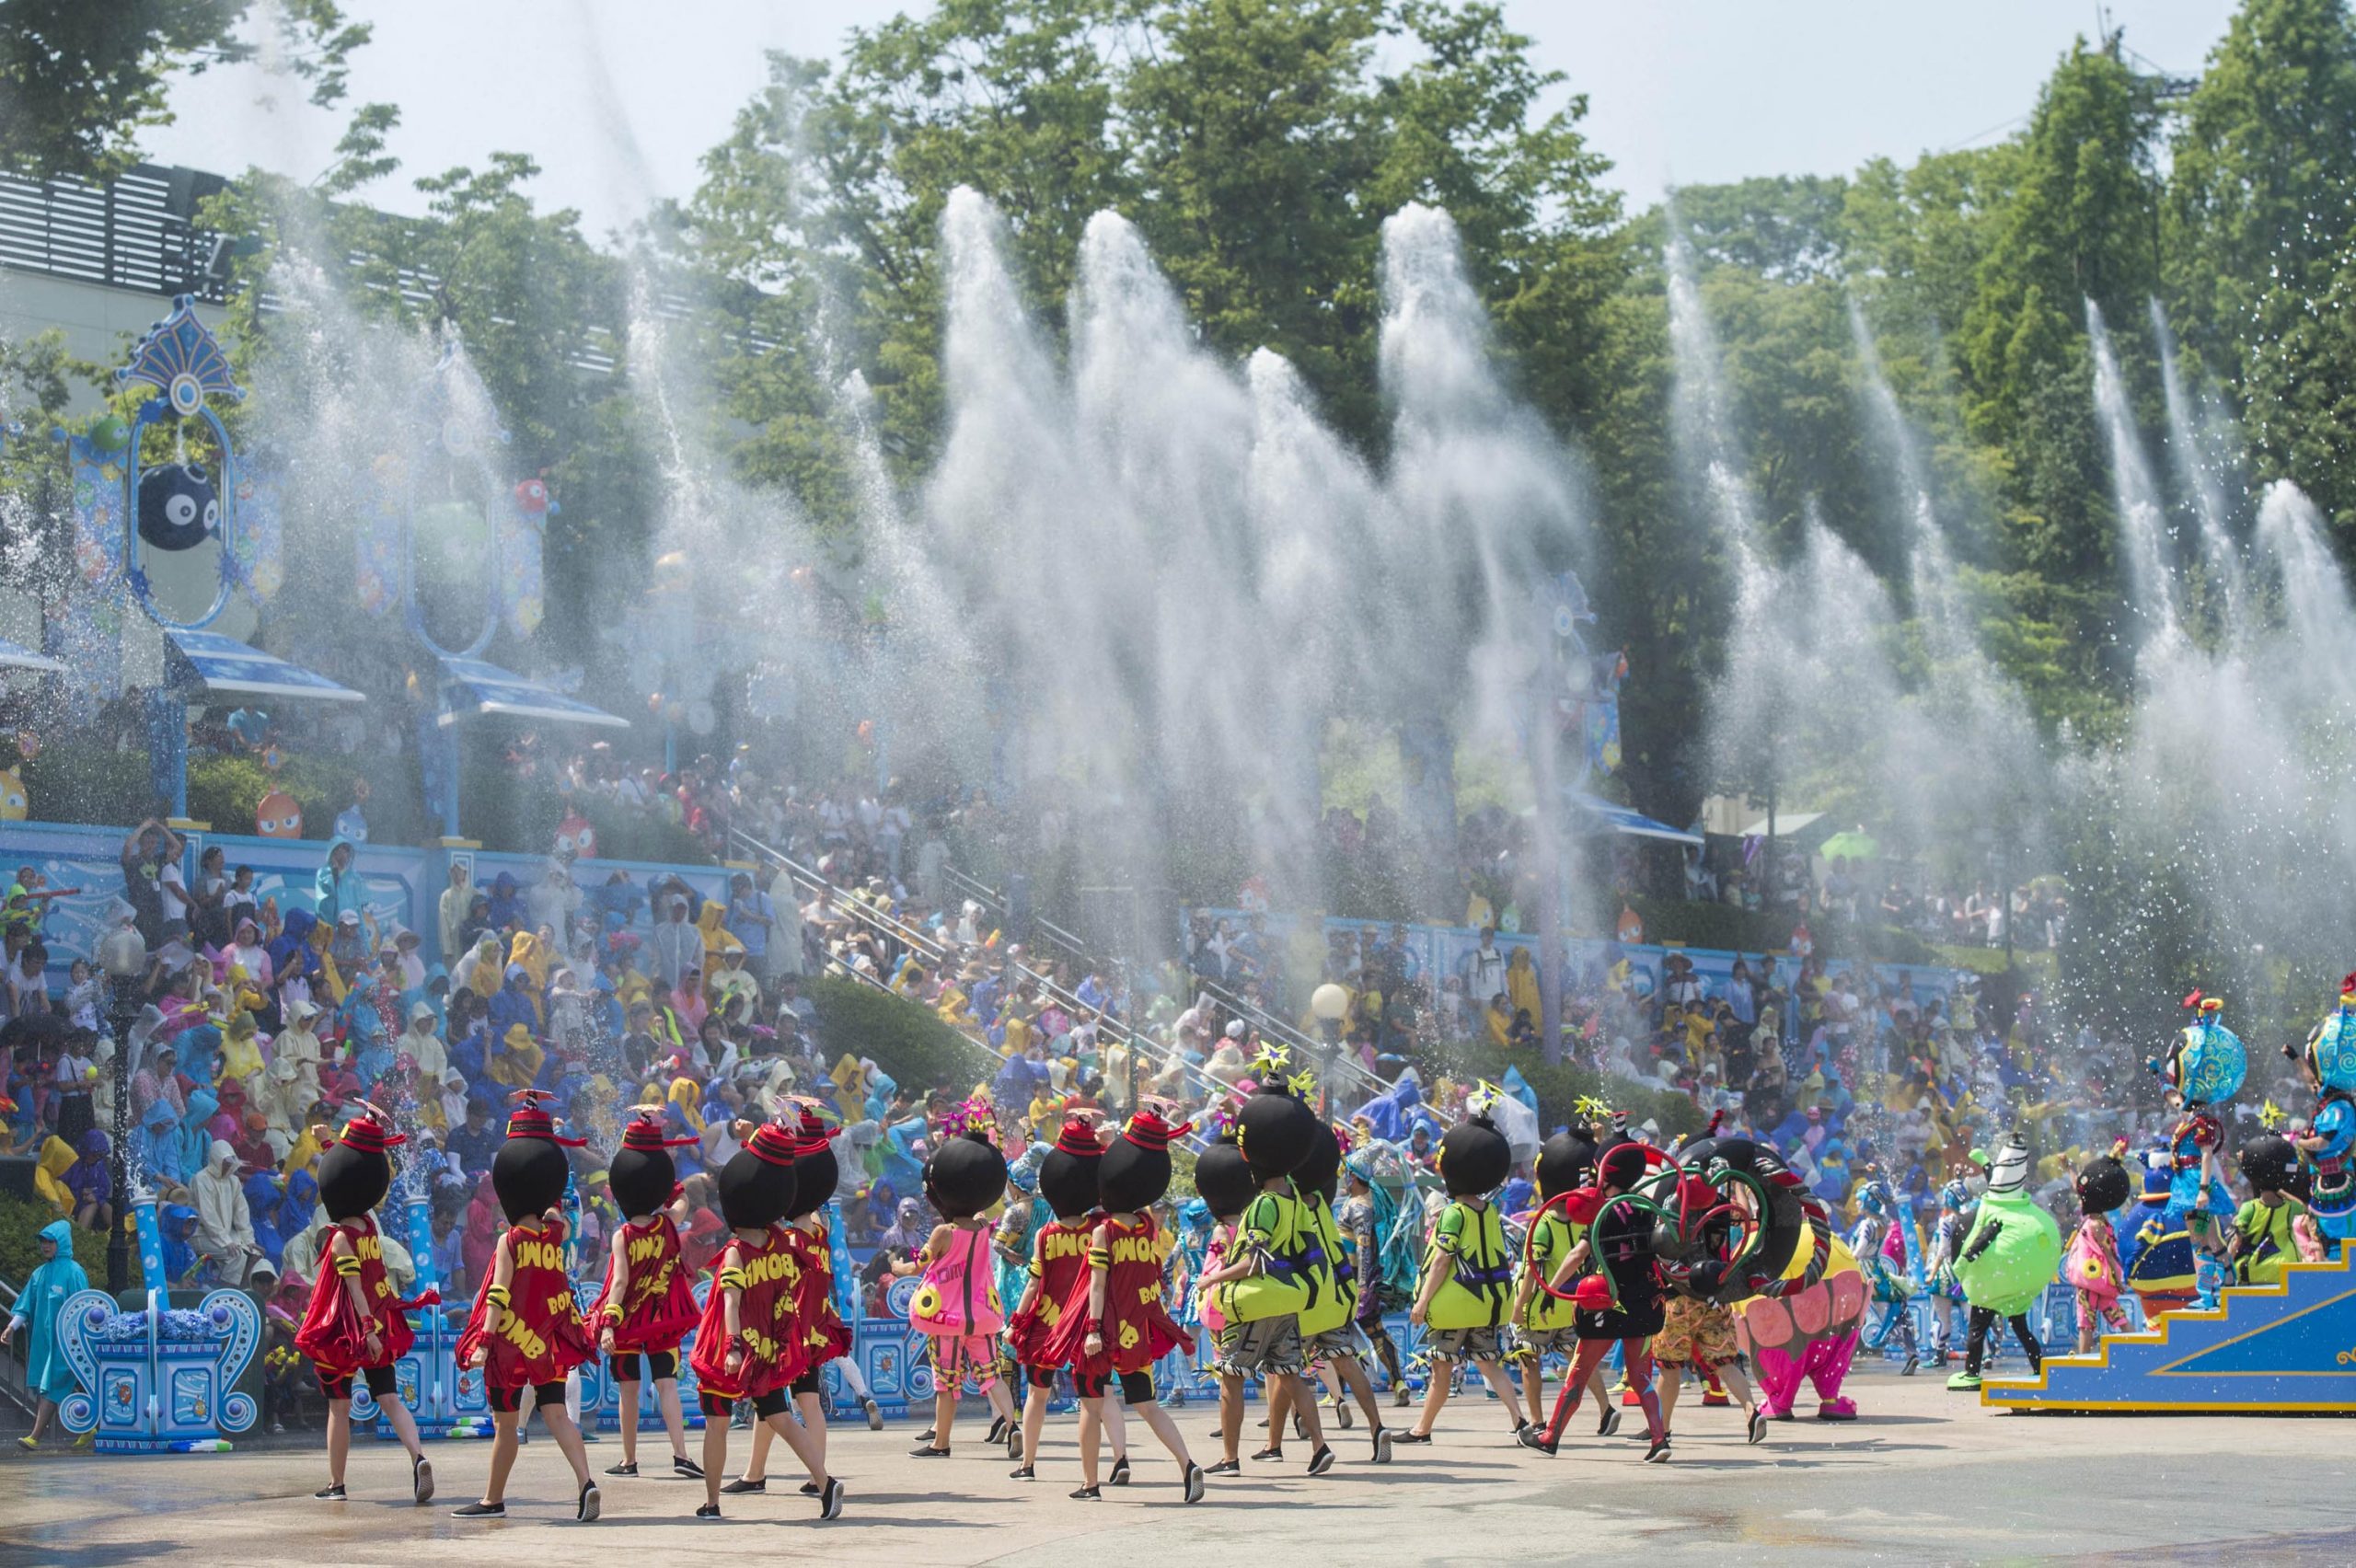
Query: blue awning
(216,665)
(480,688)
(15,656)
(1629,821)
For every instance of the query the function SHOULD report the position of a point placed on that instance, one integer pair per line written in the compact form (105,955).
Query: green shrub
(906,1040)
(21,1220)
(226,789)
(76,783)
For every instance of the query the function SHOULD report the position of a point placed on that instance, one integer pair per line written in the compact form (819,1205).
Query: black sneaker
(831,1501)
(874,1414)
(810,1489)
(928,1436)
(997,1431)
(927,1451)
(1023,1473)
(1410,1436)
(1120,1473)
(1535,1437)
(331,1493)
(1088,1495)
(1269,1455)
(480,1510)
(1659,1453)
(626,1470)
(420,1480)
(1757,1431)
(1014,1440)
(709,1513)
(590,1500)
(1610,1422)
(682,1465)
(1382,1445)
(1225,1467)
(1321,1460)
(733,1488)
(1195,1483)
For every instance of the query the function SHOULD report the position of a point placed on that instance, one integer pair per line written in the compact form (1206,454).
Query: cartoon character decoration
(2331,1045)
(532,498)
(523,530)
(2103,1186)
(15,804)
(1809,1334)
(758,1184)
(529,1173)
(2206,1062)
(178,507)
(2014,1246)
(277,816)
(965,1176)
(350,822)
(576,838)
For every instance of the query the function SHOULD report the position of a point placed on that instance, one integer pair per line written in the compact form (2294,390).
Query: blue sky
(617,98)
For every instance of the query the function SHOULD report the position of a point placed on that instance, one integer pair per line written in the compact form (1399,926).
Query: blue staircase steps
(2264,1349)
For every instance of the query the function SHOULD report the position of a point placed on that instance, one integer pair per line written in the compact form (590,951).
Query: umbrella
(1855,844)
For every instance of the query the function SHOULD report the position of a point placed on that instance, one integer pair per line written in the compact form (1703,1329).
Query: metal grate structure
(138,233)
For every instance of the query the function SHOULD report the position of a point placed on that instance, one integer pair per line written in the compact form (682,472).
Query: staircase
(2264,1349)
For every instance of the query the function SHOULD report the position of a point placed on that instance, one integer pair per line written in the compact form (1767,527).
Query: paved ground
(1926,1477)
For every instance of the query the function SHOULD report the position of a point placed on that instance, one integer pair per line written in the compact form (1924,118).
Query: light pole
(1330,1004)
(123,955)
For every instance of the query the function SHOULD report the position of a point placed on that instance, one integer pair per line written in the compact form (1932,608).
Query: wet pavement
(1924,1477)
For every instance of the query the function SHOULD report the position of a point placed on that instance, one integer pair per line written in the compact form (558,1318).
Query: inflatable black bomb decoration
(530,1170)
(966,1175)
(2269,1162)
(1706,1162)
(1274,1127)
(815,1169)
(1223,1179)
(355,1171)
(2103,1184)
(1566,1162)
(177,508)
(642,1174)
(757,1185)
(1474,1159)
(1067,1171)
(1322,1172)
(1134,1171)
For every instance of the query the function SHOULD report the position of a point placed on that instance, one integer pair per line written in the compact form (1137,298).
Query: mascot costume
(2008,1258)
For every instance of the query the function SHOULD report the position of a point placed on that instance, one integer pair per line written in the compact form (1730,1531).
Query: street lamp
(1329,1004)
(122,954)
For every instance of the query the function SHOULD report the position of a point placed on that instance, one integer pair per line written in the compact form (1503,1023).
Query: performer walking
(646,1307)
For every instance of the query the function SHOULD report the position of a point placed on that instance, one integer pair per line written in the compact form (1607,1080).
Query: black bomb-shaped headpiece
(1566,1162)
(1274,1127)
(1134,1171)
(530,1170)
(966,1175)
(1321,1171)
(355,1171)
(1223,1179)
(643,1175)
(2103,1184)
(1474,1157)
(2269,1162)
(178,508)
(758,1184)
(1067,1171)
(815,1169)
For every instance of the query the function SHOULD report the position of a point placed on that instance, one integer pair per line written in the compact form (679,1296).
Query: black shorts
(661,1364)
(547,1396)
(1136,1388)
(1040,1377)
(381,1382)
(718,1407)
(806,1384)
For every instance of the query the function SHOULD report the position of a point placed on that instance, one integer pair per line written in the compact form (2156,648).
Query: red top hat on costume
(774,1143)
(814,1133)
(644,1133)
(1079,1137)
(368,1135)
(1149,1131)
(530,1119)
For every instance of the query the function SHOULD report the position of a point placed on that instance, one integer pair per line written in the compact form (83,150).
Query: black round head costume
(530,1170)
(2269,1162)
(1274,1129)
(1322,1172)
(1474,1159)
(1222,1178)
(642,1174)
(2103,1184)
(1067,1171)
(1566,1162)
(178,508)
(355,1172)
(816,1171)
(1135,1171)
(1707,1162)
(757,1185)
(966,1175)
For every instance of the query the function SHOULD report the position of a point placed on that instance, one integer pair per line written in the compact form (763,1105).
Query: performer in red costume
(647,1306)
(355,1326)
(525,1330)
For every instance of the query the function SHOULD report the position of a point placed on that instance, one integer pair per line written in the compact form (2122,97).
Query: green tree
(79,80)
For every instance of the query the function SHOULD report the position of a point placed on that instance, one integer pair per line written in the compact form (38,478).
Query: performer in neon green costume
(2007,1261)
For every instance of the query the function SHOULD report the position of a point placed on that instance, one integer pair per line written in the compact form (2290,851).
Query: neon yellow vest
(1479,1288)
